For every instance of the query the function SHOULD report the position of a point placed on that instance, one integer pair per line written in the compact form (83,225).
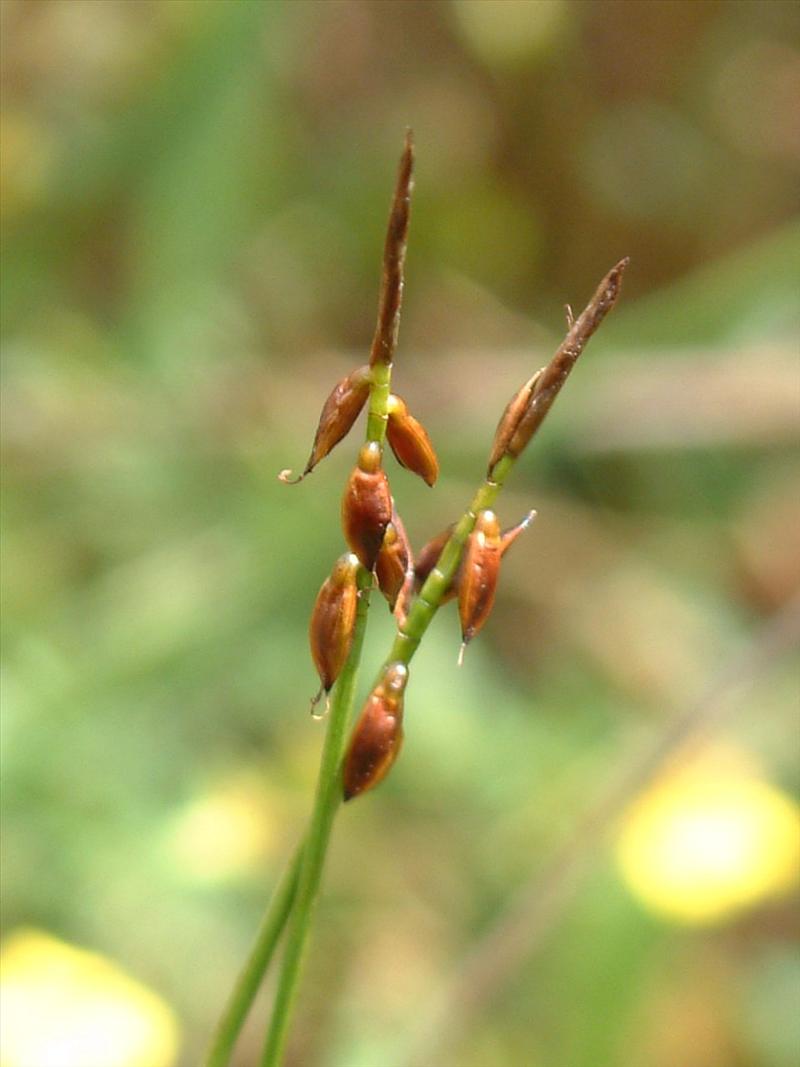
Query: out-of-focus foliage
(193,199)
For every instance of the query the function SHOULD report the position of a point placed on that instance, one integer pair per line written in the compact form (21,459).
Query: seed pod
(526,411)
(410,442)
(509,420)
(333,620)
(366,505)
(478,578)
(378,734)
(393,568)
(339,412)
(428,557)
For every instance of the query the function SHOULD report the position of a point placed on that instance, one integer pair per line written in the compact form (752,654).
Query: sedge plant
(462,562)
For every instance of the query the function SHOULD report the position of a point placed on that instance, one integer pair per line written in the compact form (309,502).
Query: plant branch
(243,993)
(528,417)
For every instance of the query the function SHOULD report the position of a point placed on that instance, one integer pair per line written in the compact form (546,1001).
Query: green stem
(327,800)
(243,994)
(378,402)
(438,581)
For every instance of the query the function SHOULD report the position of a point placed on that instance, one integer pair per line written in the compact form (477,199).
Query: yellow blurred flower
(708,840)
(222,834)
(65,1007)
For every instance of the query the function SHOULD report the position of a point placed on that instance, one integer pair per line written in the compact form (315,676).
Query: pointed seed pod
(333,621)
(410,442)
(378,734)
(478,578)
(426,560)
(527,410)
(393,567)
(366,505)
(339,412)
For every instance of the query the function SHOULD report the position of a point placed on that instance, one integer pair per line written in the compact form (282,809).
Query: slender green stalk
(327,800)
(378,400)
(243,994)
(430,596)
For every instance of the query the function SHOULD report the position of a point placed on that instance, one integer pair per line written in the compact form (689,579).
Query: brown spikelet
(366,506)
(378,734)
(410,442)
(526,411)
(477,582)
(333,620)
(338,414)
(394,254)
(509,420)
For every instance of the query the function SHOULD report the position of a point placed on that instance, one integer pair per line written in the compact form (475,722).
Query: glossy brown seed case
(410,442)
(333,620)
(339,412)
(366,506)
(478,578)
(378,734)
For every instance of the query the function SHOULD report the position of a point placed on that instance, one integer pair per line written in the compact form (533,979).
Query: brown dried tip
(480,570)
(526,411)
(367,506)
(393,568)
(509,536)
(339,412)
(410,442)
(378,734)
(394,254)
(333,621)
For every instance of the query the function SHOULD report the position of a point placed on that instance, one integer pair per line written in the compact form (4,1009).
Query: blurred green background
(194,197)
